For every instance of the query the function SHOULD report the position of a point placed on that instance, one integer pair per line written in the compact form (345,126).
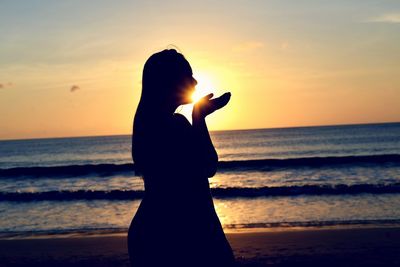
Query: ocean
(323,176)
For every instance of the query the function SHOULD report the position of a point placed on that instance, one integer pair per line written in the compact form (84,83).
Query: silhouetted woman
(176,223)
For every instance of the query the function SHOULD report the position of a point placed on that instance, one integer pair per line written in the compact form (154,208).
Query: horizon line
(211,131)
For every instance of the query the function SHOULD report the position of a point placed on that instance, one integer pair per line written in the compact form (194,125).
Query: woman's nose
(194,81)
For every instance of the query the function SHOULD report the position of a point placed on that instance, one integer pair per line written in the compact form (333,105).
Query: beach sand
(283,247)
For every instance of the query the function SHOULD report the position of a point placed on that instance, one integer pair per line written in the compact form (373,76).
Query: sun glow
(204,87)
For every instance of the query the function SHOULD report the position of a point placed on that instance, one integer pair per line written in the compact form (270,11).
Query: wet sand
(286,247)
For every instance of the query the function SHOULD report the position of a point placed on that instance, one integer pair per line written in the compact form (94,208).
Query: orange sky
(74,69)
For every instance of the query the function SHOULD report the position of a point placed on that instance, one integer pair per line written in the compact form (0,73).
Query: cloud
(4,85)
(247,46)
(74,88)
(386,18)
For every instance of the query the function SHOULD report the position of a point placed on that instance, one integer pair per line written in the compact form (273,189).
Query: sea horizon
(228,130)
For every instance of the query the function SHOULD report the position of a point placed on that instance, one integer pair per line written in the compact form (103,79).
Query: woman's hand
(205,106)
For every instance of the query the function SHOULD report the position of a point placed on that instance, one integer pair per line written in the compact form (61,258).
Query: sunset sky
(73,68)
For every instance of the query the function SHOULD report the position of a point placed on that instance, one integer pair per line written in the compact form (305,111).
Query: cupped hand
(205,106)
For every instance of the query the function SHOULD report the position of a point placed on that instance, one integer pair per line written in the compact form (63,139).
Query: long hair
(162,74)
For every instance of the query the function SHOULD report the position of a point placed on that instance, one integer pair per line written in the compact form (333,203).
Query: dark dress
(176,223)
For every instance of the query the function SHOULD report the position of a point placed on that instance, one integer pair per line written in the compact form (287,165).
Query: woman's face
(185,89)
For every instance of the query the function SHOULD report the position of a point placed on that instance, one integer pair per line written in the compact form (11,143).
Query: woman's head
(167,82)
(167,79)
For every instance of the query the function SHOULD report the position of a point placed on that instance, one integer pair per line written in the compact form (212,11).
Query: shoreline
(228,231)
(365,246)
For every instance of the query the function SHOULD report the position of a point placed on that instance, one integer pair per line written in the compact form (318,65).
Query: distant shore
(282,247)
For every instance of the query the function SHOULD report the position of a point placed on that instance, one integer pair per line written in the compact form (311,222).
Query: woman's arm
(207,157)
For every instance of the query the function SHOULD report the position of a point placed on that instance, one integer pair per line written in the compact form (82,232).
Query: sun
(204,87)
